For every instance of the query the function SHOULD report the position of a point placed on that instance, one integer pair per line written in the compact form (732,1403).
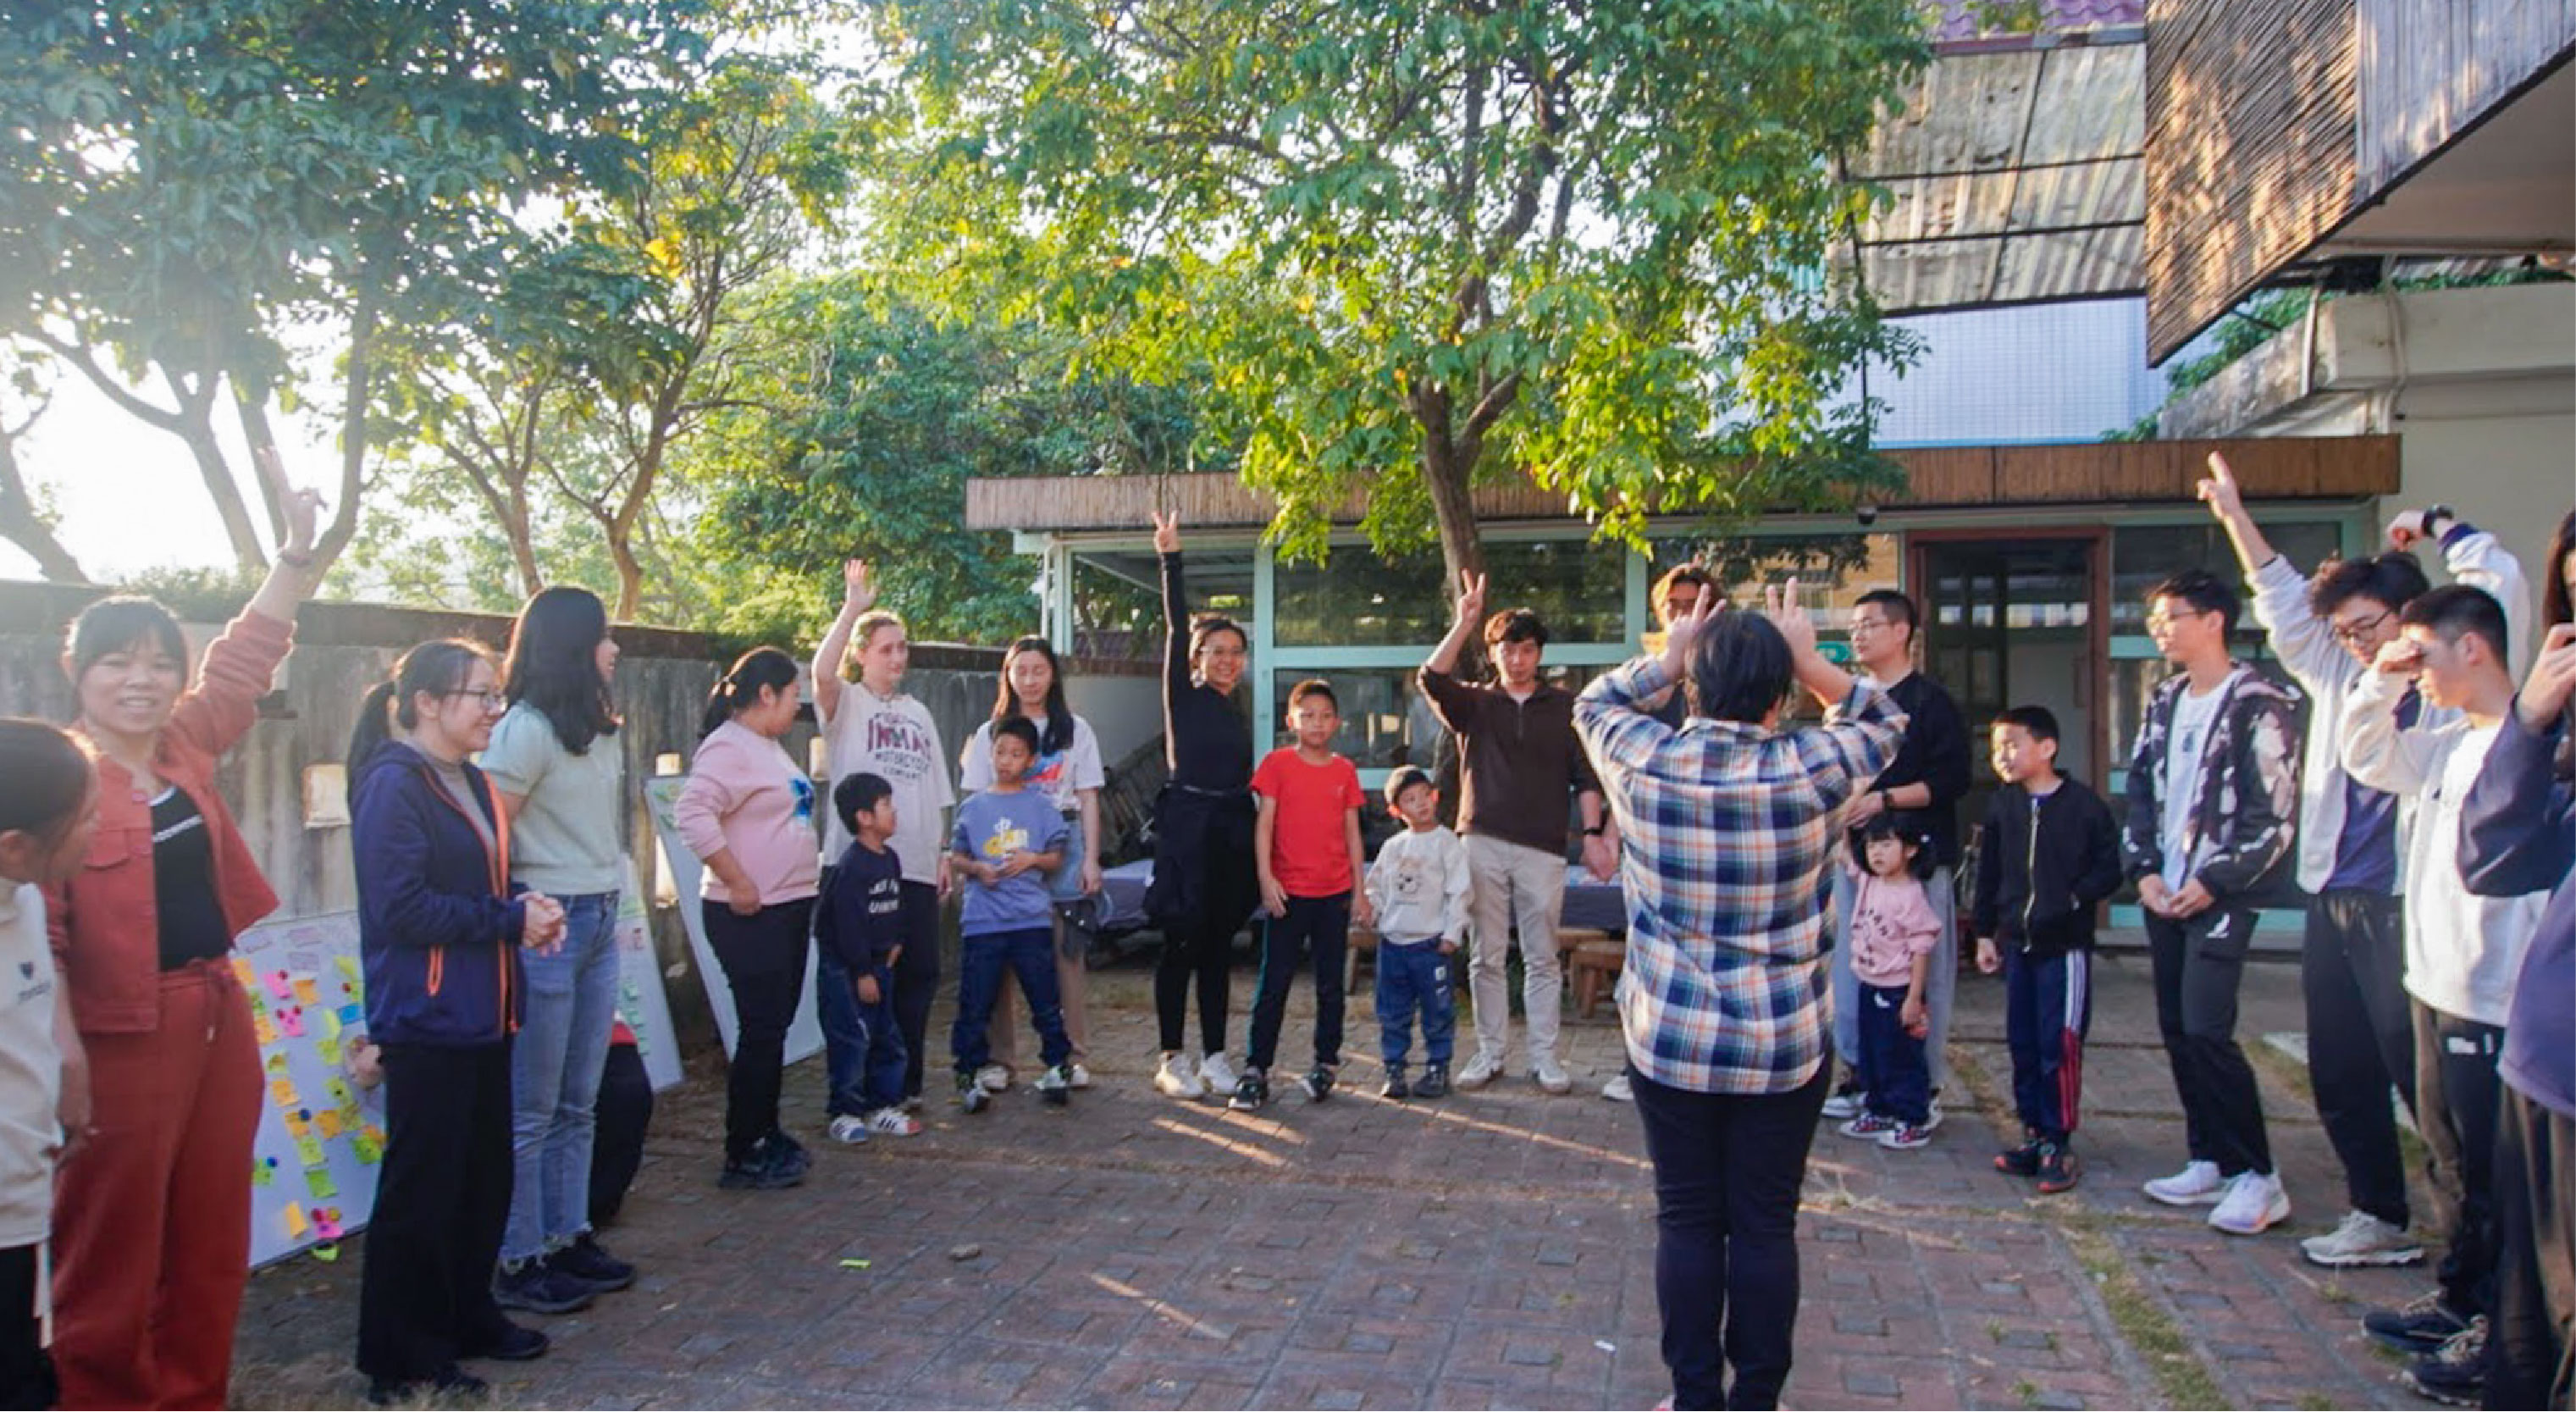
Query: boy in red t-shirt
(1306,848)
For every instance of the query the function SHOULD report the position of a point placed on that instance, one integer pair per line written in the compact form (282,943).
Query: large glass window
(1386,721)
(2143,556)
(1833,570)
(1361,599)
(1118,602)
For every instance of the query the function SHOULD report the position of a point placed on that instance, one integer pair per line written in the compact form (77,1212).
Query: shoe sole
(494,1355)
(2210,1200)
(2268,1222)
(2059,1188)
(526,1305)
(2412,1348)
(603,1286)
(2448,1399)
(2366,1261)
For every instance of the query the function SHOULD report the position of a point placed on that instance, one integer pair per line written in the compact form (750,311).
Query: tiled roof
(1968,19)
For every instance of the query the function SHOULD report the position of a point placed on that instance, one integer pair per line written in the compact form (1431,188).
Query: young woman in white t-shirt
(1068,772)
(46,817)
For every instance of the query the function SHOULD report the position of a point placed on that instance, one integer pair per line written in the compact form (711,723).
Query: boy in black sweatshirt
(859,928)
(2051,853)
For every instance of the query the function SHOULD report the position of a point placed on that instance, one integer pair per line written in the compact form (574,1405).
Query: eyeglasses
(493,698)
(2164,622)
(1860,625)
(2358,634)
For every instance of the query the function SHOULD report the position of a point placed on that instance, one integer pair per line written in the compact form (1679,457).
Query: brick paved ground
(1491,1250)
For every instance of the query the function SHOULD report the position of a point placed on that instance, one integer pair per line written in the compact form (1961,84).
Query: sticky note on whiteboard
(318,1181)
(306,992)
(296,1225)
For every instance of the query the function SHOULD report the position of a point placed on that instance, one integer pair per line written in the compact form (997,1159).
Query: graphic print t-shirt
(992,827)
(2194,718)
(1060,775)
(895,739)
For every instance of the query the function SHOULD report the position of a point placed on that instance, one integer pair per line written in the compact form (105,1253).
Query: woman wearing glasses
(439,931)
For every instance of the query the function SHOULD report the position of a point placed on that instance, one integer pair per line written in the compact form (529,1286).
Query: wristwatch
(2439,511)
(1596,831)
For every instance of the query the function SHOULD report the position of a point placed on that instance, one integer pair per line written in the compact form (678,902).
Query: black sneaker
(450,1381)
(2022,1161)
(971,1095)
(1434,1082)
(586,1262)
(1318,1084)
(538,1287)
(1250,1092)
(762,1170)
(2058,1169)
(2456,1373)
(1395,1086)
(510,1343)
(791,1153)
(2419,1328)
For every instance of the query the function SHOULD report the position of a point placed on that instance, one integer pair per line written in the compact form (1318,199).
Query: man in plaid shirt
(1725,1001)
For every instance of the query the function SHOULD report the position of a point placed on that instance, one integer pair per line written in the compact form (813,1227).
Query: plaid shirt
(1725,832)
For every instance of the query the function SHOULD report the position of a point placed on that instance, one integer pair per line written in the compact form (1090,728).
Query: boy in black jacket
(2051,854)
(858,923)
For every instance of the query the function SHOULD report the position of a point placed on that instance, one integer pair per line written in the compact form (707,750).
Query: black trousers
(2361,1039)
(916,978)
(442,1201)
(2531,1352)
(1198,952)
(624,1112)
(1318,924)
(2456,1096)
(1727,1172)
(26,1369)
(763,956)
(2199,965)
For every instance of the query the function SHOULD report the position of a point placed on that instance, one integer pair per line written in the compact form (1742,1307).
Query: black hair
(554,664)
(1314,686)
(1740,667)
(1406,777)
(2205,592)
(118,624)
(1207,625)
(2390,580)
(1058,735)
(1900,608)
(858,792)
(1019,728)
(49,778)
(740,687)
(1515,625)
(433,667)
(1694,572)
(2039,721)
(2455,610)
(2555,607)
(1903,830)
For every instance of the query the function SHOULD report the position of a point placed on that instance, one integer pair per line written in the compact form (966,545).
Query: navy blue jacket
(2040,875)
(437,927)
(2518,835)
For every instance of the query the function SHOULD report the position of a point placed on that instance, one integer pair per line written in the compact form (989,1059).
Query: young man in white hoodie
(2462,951)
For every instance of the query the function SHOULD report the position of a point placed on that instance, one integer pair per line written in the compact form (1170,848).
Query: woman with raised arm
(1203,888)
(152,1223)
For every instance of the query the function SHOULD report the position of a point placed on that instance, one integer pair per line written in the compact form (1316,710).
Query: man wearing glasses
(2326,629)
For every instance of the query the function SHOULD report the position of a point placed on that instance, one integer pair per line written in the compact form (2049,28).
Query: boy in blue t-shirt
(858,924)
(1008,839)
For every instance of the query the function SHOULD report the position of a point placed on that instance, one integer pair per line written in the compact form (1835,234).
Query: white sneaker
(993,1078)
(1550,1074)
(1617,1090)
(849,1128)
(1218,1075)
(1175,1079)
(2254,1204)
(2197,1184)
(894,1122)
(1931,1115)
(1081,1075)
(2362,1239)
(1480,1071)
(1849,1103)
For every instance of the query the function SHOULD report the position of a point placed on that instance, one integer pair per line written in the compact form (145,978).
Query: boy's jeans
(1411,975)
(1028,954)
(863,1053)
(555,1064)
(1324,923)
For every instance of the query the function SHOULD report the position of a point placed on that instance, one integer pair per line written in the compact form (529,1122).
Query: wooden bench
(1593,959)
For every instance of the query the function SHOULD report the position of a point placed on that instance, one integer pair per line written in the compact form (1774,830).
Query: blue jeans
(1028,954)
(561,1050)
(1938,987)
(1414,975)
(863,1051)
(1892,1067)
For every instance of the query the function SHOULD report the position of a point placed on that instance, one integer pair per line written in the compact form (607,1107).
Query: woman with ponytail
(152,1217)
(439,931)
(748,813)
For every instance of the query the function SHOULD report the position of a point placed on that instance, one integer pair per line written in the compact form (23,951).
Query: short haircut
(1314,686)
(2456,610)
(2039,721)
(2390,580)
(1739,668)
(1899,607)
(1515,625)
(2205,592)
(859,792)
(1019,728)
(1691,573)
(1404,778)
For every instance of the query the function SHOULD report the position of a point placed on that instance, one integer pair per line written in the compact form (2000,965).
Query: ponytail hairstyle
(49,778)
(554,665)
(392,704)
(739,688)
(1059,723)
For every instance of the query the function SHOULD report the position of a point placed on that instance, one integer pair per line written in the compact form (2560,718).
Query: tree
(1424,244)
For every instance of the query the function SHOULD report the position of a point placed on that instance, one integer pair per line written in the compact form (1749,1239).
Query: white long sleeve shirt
(1419,886)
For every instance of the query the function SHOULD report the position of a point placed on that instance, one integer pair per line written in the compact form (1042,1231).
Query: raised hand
(1471,599)
(1167,532)
(1781,605)
(2406,529)
(2399,657)
(2545,692)
(858,588)
(2225,498)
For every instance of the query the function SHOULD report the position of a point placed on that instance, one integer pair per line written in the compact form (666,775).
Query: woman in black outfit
(1203,881)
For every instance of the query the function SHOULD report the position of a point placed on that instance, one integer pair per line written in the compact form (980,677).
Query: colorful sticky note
(326,1252)
(353,1014)
(327,1123)
(341,1097)
(247,976)
(277,985)
(263,1031)
(299,1122)
(309,1150)
(282,1091)
(330,1024)
(318,1181)
(329,1049)
(277,1066)
(296,1225)
(368,1149)
(306,992)
(326,1223)
(290,1021)
(263,1171)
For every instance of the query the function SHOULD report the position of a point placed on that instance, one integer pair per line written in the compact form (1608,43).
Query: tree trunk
(22,526)
(199,432)
(260,437)
(1447,465)
(356,387)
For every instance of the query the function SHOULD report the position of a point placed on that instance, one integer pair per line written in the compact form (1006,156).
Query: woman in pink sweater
(748,811)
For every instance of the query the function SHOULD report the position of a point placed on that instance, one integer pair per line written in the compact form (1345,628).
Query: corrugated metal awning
(2017,168)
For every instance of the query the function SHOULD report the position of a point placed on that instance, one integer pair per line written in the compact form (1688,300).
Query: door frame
(2096,687)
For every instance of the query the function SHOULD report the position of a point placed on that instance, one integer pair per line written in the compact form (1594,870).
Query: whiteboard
(805,1032)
